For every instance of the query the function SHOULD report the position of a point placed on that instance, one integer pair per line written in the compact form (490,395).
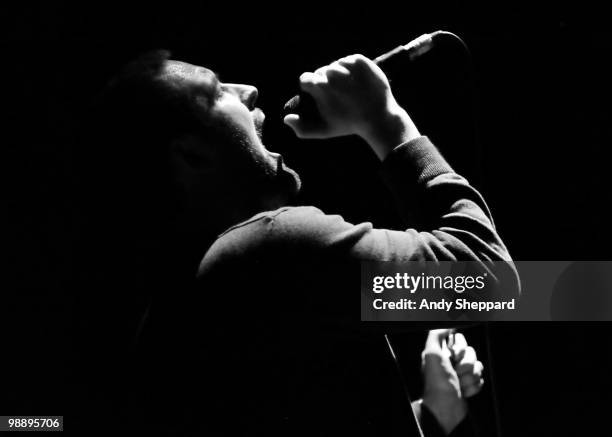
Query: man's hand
(451,374)
(354,97)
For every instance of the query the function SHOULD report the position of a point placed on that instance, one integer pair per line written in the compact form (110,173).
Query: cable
(454,37)
(496,415)
(404,384)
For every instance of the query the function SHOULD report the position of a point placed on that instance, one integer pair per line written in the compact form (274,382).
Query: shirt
(279,296)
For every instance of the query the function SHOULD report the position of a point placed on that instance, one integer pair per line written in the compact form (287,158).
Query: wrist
(392,128)
(448,412)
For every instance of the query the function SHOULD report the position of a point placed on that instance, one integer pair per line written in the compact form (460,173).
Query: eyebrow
(212,89)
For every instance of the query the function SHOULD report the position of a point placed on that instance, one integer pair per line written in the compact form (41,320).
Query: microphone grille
(292,104)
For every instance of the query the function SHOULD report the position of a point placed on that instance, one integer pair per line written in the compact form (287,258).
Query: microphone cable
(404,384)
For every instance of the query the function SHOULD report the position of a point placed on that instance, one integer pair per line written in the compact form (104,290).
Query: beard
(266,185)
(258,121)
(260,175)
(272,180)
(247,170)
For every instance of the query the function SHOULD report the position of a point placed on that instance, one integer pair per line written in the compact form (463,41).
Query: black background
(535,100)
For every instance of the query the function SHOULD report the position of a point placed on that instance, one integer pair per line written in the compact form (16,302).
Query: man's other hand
(452,374)
(354,97)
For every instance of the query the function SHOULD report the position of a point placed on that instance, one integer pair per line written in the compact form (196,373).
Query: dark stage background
(535,100)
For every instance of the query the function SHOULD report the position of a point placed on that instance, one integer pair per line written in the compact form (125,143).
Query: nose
(246,93)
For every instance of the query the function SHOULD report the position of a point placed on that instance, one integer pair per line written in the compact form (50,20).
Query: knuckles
(467,354)
(336,78)
(305,78)
(469,370)
(360,60)
(337,72)
(356,59)
(469,379)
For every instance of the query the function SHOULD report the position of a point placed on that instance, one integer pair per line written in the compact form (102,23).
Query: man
(274,311)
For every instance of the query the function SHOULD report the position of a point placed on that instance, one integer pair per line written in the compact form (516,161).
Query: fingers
(471,386)
(469,370)
(345,64)
(303,128)
(470,379)
(436,345)
(460,347)
(451,368)
(437,339)
(459,343)
(334,73)
(311,83)
(465,355)
(335,68)
(294,122)
(350,95)
(355,61)
(333,76)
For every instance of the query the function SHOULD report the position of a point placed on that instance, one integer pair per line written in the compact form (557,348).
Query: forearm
(414,167)
(449,424)
(435,199)
(392,128)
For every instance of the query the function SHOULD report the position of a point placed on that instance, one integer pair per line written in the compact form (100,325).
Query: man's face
(233,158)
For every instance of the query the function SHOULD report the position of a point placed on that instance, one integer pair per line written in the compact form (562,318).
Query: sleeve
(446,218)
(451,217)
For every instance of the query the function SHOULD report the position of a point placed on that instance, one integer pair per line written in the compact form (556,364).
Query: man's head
(182,131)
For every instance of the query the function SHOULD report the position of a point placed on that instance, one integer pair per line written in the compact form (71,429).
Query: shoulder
(281,233)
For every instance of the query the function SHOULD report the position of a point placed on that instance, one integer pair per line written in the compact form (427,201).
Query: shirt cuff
(419,157)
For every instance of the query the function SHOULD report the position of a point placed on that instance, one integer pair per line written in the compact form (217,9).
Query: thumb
(302,128)
(437,341)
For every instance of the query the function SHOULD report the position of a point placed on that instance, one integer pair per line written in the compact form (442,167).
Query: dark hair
(141,103)
(122,161)
(124,251)
(127,133)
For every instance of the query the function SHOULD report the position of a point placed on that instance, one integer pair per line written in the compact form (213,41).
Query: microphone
(304,105)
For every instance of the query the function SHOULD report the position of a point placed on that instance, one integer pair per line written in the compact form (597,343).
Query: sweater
(276,313)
